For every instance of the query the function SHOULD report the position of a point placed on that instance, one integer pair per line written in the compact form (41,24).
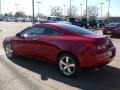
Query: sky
(26,6)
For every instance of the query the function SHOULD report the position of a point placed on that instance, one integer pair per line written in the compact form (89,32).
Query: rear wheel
(68,64)
(9,51)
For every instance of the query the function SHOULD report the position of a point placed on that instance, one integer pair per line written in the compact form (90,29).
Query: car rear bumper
(111,32)
(91,60)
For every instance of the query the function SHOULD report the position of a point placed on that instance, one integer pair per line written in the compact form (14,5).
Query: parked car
(56,19)
(70,47)
(1,18)
(11,19)
(101,23)
(93,23)
(112,29)
(75,21)
(79,22)
(85,22)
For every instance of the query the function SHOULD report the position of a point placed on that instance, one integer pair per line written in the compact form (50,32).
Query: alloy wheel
(9,51)
(67,65)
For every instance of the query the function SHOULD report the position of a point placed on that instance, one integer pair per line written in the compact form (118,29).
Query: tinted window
(49,31)
(33,31)
(77,30)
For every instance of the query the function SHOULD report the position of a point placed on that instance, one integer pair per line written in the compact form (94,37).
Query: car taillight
(94,46)
(91,45)
(101,47)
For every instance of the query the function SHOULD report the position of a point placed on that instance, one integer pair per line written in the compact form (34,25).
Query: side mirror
(18,34)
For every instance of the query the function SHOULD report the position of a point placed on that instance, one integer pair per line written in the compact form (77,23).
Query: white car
(56,19)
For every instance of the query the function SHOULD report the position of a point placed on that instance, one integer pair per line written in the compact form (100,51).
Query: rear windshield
(77,30)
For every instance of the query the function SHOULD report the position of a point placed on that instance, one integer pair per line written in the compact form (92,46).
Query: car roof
(51,24)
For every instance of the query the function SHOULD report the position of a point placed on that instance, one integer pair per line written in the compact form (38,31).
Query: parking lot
(27,74)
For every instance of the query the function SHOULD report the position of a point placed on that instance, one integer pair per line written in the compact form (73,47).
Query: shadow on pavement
(104,79)
(116,37)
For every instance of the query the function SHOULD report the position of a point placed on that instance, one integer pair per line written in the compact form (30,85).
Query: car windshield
(77,30)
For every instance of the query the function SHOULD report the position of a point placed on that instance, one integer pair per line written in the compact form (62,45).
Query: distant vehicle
(25,19)
(1,18)
(79,22)
(101,23)
(112,29)
(11,19)
(84,22)
(56,19)
(93,23)
(72,47)
(75,21)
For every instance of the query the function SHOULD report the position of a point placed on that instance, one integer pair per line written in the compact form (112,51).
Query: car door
(45,47)
(25,43)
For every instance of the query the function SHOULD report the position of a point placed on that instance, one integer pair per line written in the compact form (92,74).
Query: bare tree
(92,12)
(20,14)
(73,11)
(40,15)
(56,11)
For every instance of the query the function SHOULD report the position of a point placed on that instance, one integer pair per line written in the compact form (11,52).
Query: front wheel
(68,65)
(9,51)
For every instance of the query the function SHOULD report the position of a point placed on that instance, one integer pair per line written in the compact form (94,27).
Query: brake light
(101,47)
(95,46)
(90,44)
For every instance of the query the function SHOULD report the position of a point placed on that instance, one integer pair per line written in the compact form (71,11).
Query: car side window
(51,31)
(33,31)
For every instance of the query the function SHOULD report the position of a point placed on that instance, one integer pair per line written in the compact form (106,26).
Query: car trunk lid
(101,43)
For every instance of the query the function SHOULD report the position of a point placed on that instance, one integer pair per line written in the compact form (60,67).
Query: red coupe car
(68,46)
(112,29)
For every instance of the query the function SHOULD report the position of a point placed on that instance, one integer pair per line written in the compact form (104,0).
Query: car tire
(9,51)
(68,65)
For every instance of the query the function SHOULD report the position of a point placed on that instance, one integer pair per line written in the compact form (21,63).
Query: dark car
(70,47)
(84,22)
(101,23)
(112,29)
(93,23)
(79,22)
(75,21)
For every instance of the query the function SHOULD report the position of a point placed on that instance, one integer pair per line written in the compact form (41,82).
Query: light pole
(108,9)
(64,9)
(101,9)
(16,7)
(0,8)
(70,8)
(81,9)
(38,7)
(33,21)
(86,8)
